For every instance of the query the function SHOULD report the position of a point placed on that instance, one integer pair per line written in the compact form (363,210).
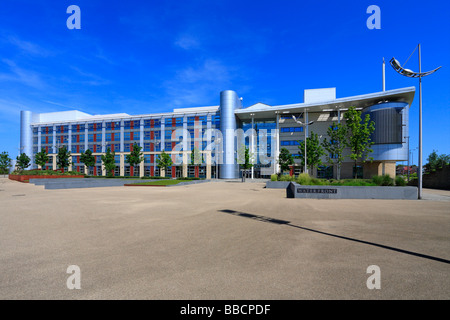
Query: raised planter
(277,184)
(26,178)
(296,190)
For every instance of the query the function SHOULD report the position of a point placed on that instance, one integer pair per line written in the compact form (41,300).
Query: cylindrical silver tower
(229,101)
(26,135)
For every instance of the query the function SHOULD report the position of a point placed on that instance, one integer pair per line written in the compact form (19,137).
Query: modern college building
(220,132)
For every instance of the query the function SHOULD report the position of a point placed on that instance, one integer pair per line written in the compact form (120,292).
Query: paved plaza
(219,240)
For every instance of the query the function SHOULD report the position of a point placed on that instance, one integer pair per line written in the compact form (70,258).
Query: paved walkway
(219,241)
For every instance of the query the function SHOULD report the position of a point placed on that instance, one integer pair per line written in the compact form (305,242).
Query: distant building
(219,133)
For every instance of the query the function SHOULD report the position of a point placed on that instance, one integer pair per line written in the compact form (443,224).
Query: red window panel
(95,171)
(131,136)
(131,147)
(78,138)
(131,124)
(78,128)
(95,148)
(46,149)
(174,173)
(62,139)
(152,171)
(132,171)
(78,149)
(152,147)
(152,158)
(46,140)
(112,126)
(95,127)
(197,171)
(95,136)
(112,148)
(46,130)
(112,139)
(174,122)
(152,123)
(152,134)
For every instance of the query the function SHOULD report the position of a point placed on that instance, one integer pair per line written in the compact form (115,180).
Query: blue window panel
(117,159)
(108,137)
(168,146)
(168,135)
(146,147)
(157,134)
(126,125)
(126,136)
(147,158)
(168,122)
(136,135)
(147,135)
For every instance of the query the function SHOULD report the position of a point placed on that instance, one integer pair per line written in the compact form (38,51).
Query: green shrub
(274,177)
(304,179)
(287,178)
(400,181)
(384,180)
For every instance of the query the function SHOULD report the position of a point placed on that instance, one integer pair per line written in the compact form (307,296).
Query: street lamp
(304,125)
(411,74)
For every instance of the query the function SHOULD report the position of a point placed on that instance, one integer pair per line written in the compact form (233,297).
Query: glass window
(168,146)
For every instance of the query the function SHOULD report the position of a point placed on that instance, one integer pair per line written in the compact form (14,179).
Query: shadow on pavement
(288,223)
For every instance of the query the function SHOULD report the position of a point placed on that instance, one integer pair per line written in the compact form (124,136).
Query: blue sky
(152,56)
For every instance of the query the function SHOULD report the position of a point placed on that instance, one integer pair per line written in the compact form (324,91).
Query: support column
(103,137)
(276,153)
(69,143)
(141,133)
(186,144)
(122,164)
(54,143)
(86,136)
(39,138)
(141,169)
(208,164)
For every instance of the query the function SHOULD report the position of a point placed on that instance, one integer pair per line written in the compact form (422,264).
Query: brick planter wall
(26,178)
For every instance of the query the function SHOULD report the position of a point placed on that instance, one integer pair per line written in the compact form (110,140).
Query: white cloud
(26,77)
(195,86)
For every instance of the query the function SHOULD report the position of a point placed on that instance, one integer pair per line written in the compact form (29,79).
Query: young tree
(196,157)
(109,162)
(87,158)
(358,136)
(63,158)
(244,158)
(164,161)
(314,151)
(23,161)
(436,161)
(135,157)
(5,162)
(336,145)
(285,160)
(41,158)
